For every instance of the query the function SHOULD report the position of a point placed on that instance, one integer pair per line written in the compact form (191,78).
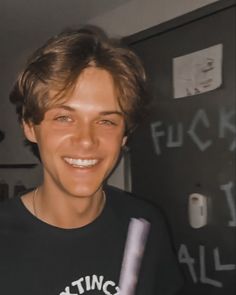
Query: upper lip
(81,161)
(88,157)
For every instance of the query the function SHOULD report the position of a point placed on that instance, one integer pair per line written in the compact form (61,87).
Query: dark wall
(188,145)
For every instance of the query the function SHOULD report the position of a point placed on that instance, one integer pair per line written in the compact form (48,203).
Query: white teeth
(81,162)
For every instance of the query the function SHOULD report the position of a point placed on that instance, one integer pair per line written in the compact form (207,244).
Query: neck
(67,212)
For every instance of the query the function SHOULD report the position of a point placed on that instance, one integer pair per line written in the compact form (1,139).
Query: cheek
(112,145)
(52,142)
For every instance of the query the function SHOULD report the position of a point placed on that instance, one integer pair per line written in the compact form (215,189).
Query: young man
(78,98)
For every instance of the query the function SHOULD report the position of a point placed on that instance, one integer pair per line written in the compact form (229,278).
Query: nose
(85,136)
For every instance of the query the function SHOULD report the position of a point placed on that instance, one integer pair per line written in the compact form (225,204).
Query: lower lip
(82,168)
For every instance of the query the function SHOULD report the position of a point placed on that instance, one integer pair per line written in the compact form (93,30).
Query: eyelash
(68,119)
(108,122)
(63,119)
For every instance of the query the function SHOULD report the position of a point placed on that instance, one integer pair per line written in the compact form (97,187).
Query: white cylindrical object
(197,207)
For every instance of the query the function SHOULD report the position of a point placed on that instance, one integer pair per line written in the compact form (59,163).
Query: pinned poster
(198,72)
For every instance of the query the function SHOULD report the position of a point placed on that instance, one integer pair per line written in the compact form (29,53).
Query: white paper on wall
(198,72)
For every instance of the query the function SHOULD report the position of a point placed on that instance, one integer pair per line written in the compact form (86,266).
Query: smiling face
(80,140)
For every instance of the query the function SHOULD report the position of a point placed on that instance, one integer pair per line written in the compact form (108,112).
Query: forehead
(93,87)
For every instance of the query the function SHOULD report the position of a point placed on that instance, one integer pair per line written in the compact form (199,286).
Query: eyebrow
(64,107)
(106,113)
(102,113)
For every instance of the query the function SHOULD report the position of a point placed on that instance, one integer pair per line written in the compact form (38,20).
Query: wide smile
(81,163)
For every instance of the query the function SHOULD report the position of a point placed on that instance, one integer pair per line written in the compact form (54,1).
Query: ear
(29,131)
(124,140)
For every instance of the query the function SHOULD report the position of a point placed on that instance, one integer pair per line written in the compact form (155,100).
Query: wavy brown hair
(59,62)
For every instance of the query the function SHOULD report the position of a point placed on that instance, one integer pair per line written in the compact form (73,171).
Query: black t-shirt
(39,259)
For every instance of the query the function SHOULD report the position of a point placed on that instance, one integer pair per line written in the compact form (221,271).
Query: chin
(84,191)
(84,184)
